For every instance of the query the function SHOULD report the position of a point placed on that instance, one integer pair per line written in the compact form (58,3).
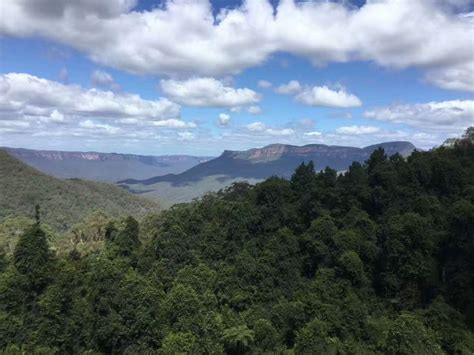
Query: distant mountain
(276,159)
(253,165)
(108,167)
(63,202)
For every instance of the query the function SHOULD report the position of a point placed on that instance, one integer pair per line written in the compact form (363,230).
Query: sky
(198,77)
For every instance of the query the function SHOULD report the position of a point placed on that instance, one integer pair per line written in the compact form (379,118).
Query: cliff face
(278,151)
(276,159)
(53,155)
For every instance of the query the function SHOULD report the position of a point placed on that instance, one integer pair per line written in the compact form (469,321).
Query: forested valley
(378,259)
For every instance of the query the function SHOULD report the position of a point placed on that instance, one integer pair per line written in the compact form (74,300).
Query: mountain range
(253,165)
(107,167)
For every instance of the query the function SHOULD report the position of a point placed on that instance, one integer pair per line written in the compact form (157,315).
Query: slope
(63,202)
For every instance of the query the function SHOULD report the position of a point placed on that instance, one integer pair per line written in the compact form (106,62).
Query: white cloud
(207,92)
(186,136)
(254,110)
(324,96)
(456,78)
(223,120)
(292,87)
(280,132)
(454,115)
(262,129)
(105,80)
(264,84)
(13,124)
(313,134)
(174,123)
(185,38)
(256,126)
(28,95)
(357,130)
(89,124)
(56,116)
(319,95)
(35,106)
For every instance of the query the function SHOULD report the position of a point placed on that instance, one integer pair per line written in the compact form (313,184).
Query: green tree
(238,340)
(351,267)
(32,257)
(314,338)
(179,343)
(408,335)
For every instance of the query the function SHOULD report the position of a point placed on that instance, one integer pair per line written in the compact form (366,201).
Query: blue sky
(85,78)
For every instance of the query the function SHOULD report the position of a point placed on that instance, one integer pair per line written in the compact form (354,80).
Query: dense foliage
(64,202)
(379,259)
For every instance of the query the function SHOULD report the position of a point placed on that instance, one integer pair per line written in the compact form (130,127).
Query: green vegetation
(377,260)
(64,202)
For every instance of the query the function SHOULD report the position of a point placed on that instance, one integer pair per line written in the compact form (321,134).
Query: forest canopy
(379,259)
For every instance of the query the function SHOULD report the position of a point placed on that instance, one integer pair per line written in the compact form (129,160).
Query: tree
(302,178)
(266,337)
(314,339)
(178,343)
(351,267)
(377,157)
(237,340)
(408,335)
(126,242)
(31,256)
(406,258)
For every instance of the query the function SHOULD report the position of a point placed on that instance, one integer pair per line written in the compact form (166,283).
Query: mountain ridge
(276,159)
(107,167)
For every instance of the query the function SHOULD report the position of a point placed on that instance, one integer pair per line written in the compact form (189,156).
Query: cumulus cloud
(89,124)
(426,34)
(207,92)
(280,131)
(33,105)
(319,95)
(264,84)
(174,123)
(449,116)
(357,130)
(185,136)
(261,128)
(326,97)
(223,120)
(103,79)
(313,134)
(256,126)
(254,110)
(292,87)
(456,78)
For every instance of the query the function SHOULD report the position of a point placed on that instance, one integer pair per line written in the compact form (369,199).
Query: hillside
(107,167)
(253,165)
(375,260)
(63,202)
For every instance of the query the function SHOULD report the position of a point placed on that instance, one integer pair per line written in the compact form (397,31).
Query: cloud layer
(183,37)
(32,105)
(446,116)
